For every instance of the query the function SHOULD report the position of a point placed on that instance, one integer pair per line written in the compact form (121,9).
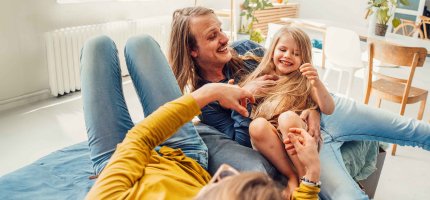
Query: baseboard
(24,99)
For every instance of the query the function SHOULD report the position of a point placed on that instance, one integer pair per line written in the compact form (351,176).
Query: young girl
(283,105)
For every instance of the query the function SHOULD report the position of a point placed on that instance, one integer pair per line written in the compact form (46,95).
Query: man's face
(212,44)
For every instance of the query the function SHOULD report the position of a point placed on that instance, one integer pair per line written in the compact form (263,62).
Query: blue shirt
(227,121)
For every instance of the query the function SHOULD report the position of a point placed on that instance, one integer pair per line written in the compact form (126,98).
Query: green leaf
(396,22)
(259,5)
(405,2)
(256,36)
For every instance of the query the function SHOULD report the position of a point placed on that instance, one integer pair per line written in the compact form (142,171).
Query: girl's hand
(258,85)
(306,151)
(309,72)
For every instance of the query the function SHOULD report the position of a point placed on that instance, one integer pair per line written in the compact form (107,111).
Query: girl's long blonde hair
(291,91)
(182,42)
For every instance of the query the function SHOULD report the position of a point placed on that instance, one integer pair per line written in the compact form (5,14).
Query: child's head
(290,48)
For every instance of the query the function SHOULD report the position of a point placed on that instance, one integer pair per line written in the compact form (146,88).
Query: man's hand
(258,85)
(306,148)
(229,96)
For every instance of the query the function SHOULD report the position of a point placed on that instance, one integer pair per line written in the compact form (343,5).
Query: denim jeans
(356,121)
(223,149)
(353,121)
(106,114)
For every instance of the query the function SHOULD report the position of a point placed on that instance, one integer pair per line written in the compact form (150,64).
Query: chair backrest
(342,47)
(387,52)
(397,55)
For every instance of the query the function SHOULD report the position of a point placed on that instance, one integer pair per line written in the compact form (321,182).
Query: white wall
(345,12)
(342,12)
(23,67)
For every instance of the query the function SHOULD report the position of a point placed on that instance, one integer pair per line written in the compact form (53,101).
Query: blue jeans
(353,121)
(223,149)
(106,114)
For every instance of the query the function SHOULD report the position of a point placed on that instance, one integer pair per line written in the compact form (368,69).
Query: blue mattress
(64,174)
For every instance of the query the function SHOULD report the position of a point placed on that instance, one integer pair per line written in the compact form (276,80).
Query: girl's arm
(319,92)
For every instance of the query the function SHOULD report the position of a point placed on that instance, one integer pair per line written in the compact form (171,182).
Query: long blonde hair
(246,186)
(182,42)
(291,91)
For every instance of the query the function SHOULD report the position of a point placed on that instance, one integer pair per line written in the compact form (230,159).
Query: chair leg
(393,152)
(350,81)
(327,71)
(339,81)
(378,101)
(422,108)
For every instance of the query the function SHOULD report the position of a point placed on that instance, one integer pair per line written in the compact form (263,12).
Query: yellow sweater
(305,192)
(136,171)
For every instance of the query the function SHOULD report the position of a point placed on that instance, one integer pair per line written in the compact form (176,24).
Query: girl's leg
(156,85)
(286,121)
(337,183)
(106,115)
(356,121)
(264,137)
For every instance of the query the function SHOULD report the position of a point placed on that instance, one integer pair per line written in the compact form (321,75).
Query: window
(410,12)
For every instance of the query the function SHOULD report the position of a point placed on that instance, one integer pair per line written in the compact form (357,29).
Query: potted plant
(384,10)
(248,9)
(256,36)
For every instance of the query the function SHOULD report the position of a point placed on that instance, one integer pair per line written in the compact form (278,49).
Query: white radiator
(63,47)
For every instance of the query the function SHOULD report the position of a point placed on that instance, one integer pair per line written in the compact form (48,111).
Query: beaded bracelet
(309,182)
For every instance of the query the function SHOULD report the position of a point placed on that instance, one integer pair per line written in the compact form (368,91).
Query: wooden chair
(424,22)
(395,89)
(409,28)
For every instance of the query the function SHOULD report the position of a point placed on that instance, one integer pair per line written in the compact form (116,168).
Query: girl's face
(286,57)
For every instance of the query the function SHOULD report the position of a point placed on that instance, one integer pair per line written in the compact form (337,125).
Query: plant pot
(380,29)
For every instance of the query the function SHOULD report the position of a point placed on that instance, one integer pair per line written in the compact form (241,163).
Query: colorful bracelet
(309,182)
